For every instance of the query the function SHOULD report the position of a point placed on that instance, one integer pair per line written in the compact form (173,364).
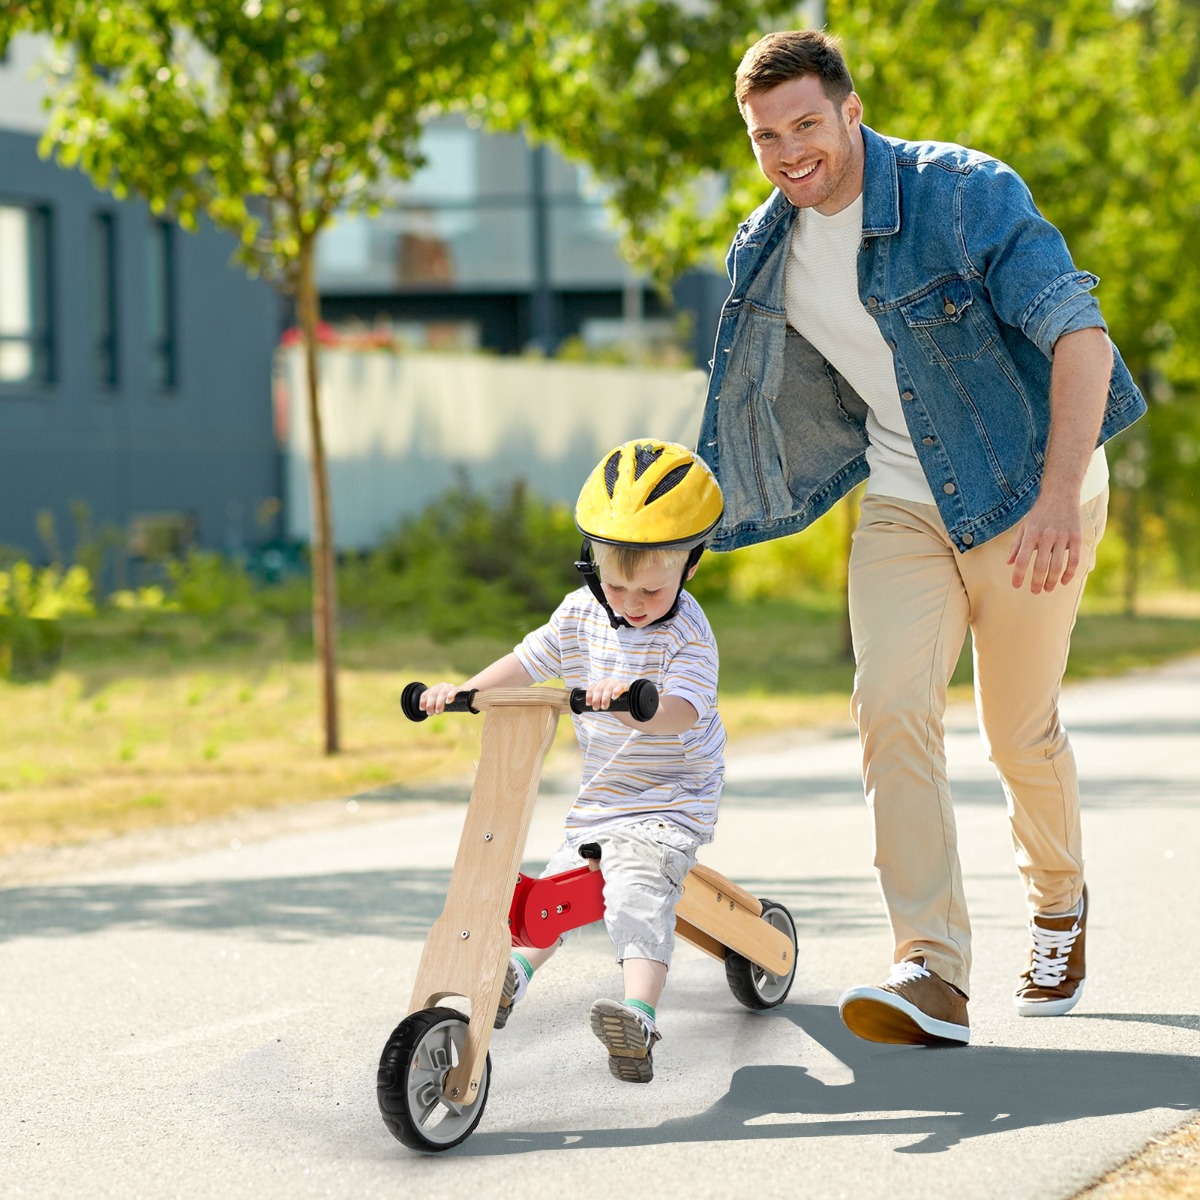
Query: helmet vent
(645,455)
(671,480)
(611,469)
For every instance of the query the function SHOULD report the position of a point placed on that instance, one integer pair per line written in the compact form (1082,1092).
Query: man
(902,313)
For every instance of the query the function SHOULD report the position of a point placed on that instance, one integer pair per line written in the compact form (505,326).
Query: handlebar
(640,701)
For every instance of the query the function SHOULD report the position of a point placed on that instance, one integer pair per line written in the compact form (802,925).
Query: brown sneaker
(914,1007)
(508,996)
(1053,981)
(628,1040)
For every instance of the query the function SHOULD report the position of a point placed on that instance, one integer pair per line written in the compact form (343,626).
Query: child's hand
(435,698)
(603,692)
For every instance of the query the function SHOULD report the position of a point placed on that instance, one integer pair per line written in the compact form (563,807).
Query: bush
(465,565)
(33,601)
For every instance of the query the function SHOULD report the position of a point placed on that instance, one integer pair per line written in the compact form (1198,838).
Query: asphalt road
(207,1023)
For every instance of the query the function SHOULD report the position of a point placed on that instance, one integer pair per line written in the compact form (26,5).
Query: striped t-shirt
(629,775)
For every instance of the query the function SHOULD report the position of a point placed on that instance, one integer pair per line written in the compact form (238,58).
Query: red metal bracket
(542,910)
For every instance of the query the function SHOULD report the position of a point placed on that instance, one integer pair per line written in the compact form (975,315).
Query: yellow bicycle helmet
(650,493)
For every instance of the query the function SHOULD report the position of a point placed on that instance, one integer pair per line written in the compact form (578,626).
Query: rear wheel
(418,1056)
(750,984)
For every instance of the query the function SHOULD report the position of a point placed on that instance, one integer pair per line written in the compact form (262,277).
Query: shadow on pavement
(294,908)
(306,907)
(935,1098)
(791,793)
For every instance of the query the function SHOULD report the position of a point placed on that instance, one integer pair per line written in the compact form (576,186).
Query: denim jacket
(970,287)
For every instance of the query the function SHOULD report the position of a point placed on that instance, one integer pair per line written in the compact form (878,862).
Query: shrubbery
(469,564)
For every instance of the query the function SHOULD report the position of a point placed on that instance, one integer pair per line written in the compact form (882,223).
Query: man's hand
(1049,541)
(1048,545)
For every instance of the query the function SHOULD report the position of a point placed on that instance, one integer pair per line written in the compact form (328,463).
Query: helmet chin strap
(587,568)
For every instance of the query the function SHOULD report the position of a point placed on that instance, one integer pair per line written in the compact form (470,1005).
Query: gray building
(135,361)
(502,245)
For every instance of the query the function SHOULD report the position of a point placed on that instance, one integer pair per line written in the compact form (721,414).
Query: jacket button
(927,441)
(872,302)
(968,539)
(949,489)
(949,309)
(906,395)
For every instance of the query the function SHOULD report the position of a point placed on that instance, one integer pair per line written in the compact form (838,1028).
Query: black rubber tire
(412,1069)
(750,984)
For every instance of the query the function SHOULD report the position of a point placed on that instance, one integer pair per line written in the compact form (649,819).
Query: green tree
(271,116)
(1094,103)
(268,117)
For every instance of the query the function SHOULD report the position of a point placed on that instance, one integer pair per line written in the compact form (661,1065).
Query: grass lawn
(173,728)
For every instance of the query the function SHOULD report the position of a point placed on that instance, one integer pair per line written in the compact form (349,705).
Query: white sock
(524,974)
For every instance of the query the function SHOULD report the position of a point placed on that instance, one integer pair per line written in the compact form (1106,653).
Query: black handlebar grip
(640,701)
(410,702)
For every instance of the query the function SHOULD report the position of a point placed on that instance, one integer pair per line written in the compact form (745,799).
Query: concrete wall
(398,429)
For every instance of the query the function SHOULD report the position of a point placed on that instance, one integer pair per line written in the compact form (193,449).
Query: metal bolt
(466,933)
(454,1091)
(545,914)
(474,1085)
(487,837)
(719,897)
(559,908)
(731,906)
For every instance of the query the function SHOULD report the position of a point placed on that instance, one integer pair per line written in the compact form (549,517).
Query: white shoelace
(907,972)
(1051,952)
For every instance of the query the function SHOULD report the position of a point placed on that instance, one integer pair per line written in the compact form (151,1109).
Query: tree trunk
(324,577)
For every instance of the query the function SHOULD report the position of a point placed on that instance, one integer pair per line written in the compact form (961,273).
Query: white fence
(401,429)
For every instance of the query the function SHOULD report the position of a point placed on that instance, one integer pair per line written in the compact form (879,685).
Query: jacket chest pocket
(948,324)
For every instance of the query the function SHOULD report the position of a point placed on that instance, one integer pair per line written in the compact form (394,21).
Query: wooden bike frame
(466,952)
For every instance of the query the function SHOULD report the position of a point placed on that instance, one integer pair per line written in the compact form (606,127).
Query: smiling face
(810,148)
(643,596)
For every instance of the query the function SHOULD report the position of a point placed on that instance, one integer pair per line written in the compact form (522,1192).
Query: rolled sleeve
(1064,306)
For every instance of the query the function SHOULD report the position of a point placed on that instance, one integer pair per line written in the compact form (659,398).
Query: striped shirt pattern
(630,775)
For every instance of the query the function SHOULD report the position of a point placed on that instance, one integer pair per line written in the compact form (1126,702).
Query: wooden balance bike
(435,1068)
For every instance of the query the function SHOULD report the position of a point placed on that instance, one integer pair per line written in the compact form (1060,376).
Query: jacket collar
(881,186)
(881,194)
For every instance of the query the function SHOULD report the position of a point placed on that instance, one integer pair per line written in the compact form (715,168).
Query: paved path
(208,1024)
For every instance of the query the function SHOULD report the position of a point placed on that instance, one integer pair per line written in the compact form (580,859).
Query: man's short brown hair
(793,54)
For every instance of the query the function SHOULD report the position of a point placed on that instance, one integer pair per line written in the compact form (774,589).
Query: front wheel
(750,984)
(422,1050)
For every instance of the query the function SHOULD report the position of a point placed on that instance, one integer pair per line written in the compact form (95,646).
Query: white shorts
(644,867)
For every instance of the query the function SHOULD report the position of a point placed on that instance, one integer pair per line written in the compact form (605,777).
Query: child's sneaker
(629,1039)
(516,981)
(507,996)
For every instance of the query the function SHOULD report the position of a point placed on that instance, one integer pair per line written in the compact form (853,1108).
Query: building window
(25,343)
(102,298)
(160,295)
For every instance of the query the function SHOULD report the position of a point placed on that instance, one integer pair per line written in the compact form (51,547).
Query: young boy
(648,796)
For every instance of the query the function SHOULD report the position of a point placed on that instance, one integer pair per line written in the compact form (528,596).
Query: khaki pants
(912,598)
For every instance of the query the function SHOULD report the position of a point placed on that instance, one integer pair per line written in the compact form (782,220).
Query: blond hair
(626,560)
